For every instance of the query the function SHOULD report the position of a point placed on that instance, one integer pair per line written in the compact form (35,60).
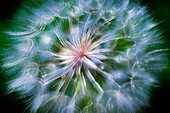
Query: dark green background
(160,100)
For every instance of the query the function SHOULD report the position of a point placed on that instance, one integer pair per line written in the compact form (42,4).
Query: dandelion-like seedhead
(83,56)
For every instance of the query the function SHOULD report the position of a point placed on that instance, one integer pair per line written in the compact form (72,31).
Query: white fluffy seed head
(83,56)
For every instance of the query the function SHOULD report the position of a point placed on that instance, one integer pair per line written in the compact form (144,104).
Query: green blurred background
(160,100)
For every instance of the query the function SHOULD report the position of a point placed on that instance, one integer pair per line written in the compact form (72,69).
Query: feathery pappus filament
(83,56)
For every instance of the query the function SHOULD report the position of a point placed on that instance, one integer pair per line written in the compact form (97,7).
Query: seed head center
(82,54)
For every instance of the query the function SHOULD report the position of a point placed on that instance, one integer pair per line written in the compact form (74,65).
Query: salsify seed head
(89,56)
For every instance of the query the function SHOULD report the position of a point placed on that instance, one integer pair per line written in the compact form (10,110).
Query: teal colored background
(160,10)
(161,95)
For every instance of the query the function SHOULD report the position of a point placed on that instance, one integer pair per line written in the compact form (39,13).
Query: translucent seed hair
(83,56)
